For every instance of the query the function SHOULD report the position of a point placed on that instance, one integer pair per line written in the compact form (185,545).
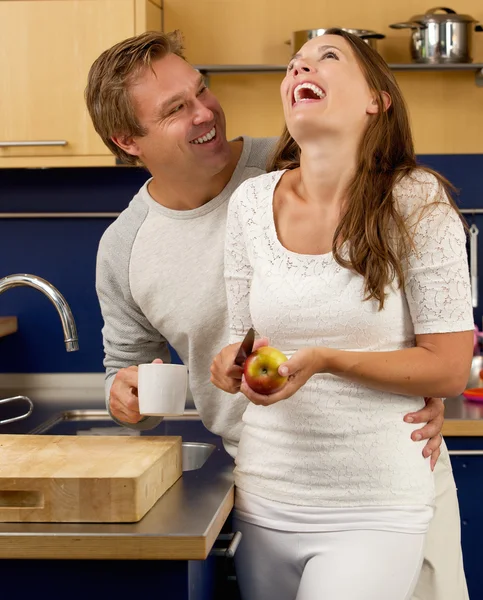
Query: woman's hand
(299,369)
(225,374)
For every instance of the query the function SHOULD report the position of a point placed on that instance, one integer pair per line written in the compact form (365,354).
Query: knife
(246,348)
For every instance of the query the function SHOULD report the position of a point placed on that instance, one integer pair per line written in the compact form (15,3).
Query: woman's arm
(238,271)
(238,275)
(439,365)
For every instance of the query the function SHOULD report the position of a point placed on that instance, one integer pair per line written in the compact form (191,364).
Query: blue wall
(63,251)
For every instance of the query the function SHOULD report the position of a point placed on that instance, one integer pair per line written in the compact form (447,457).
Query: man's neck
(187,194)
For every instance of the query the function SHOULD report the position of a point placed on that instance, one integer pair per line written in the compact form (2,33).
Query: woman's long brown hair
(386,155)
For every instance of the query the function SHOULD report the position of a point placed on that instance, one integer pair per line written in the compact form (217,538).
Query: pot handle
(450,11)
(372,36)
(478,27)
(404,26)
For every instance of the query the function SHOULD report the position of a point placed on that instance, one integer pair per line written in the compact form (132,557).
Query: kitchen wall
(446,109)
(61,250)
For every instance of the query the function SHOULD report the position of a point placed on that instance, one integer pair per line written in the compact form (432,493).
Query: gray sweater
(160,279)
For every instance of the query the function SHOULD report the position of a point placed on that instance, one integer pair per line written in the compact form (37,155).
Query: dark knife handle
(246,348)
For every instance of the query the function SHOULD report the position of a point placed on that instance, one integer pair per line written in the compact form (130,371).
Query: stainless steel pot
(441,38)
(474,380)
(299,38)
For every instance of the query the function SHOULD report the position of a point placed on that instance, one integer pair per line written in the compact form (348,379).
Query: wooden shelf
(8,325)
(477,68)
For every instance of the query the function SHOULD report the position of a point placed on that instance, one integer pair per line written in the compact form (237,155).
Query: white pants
(342,565)
(442,576)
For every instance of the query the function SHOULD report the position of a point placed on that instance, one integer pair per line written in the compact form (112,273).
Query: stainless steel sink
(99,422)
(195,454)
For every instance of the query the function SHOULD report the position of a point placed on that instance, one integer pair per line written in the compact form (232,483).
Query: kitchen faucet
(65,314)
(66,318)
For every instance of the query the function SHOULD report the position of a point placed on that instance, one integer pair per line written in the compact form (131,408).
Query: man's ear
(127,143)
(373,107)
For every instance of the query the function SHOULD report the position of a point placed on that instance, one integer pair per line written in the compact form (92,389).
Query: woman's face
(325,91)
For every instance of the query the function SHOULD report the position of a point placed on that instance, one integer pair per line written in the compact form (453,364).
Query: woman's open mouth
(307,92)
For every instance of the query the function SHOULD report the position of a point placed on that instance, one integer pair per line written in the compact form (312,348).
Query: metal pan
(299,38)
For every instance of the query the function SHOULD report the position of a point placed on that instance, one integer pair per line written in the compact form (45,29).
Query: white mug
(162,389)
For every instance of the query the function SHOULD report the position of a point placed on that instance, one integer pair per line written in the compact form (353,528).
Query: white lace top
(335,442)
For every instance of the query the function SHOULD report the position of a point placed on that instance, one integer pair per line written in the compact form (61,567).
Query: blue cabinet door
(467,462)
(107,579)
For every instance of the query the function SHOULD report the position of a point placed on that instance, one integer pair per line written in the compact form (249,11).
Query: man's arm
(129,338)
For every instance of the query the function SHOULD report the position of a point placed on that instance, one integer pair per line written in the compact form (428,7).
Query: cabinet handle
(34,143)
(465,452)
(230,551)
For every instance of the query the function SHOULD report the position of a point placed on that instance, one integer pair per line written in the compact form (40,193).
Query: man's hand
(433,415)
(225,374)
(123,399)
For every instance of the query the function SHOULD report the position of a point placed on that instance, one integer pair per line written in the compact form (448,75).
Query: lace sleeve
(437,283)
(238,270)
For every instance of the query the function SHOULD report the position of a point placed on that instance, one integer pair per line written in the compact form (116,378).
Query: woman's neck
(326,171)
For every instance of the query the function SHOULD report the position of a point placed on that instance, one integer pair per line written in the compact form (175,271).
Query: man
(160,264)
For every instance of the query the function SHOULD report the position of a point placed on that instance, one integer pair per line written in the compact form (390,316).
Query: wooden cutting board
(84,479)
(8,325)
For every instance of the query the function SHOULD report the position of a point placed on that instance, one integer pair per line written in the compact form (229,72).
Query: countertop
(185,521)
(463,418)
(182,525)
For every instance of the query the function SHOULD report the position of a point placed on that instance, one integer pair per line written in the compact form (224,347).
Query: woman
(352,261)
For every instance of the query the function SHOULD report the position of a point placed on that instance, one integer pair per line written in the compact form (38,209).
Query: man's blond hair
(107,92)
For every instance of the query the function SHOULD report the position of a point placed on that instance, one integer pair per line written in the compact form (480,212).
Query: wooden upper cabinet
(46,50)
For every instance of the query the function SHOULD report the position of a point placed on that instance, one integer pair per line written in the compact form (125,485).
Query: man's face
(185,124)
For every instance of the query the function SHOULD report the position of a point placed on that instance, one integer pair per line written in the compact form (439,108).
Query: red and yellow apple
(261,370)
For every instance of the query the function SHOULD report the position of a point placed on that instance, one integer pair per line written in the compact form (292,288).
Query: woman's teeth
(318,92)
(206,138)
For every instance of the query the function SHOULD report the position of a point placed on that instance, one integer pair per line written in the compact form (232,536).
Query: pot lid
(433,16)
(359,32)
(363,32)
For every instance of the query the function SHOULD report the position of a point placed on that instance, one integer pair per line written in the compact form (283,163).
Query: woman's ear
(386,99)
(373,107)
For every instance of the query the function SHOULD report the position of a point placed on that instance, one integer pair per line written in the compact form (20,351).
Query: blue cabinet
(210,579)
(467,462)
(107,579)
